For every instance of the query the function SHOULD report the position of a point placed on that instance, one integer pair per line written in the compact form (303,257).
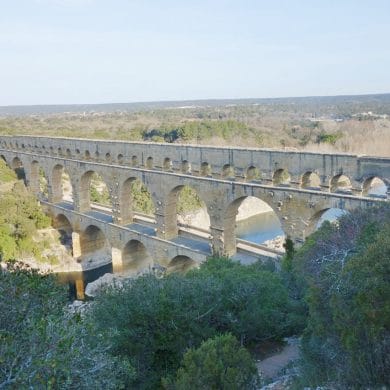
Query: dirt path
(270,366)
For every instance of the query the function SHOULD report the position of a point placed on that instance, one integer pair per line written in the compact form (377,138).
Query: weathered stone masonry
(222,177)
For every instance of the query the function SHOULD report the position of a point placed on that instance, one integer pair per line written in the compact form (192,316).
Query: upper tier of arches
(304,170)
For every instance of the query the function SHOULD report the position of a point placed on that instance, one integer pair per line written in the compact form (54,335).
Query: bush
(346,271)
(42,346)
(219,363)
(154,321)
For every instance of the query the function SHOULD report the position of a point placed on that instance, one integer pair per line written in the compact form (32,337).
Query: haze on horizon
(94,51)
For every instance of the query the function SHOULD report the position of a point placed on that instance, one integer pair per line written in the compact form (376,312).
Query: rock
(95,287)
(283,383)
(78,307)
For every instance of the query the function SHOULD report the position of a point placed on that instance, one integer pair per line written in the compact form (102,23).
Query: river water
(259,228)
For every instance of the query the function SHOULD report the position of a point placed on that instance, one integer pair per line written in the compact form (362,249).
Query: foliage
(154,321)
(329,138)
(142,200)
(188,200)
(345,269)
(6,174)
(219,363)
(20,217)
(43,346)
(197,130)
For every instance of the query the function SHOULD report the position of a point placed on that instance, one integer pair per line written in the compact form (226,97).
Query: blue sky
(101,51)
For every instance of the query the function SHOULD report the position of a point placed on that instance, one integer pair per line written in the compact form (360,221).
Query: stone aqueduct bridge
(298,186)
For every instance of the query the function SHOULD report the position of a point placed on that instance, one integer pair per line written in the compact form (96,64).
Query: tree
(219,363)
(42,345)
(346,270)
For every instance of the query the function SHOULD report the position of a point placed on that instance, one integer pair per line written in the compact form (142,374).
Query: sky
(107,51)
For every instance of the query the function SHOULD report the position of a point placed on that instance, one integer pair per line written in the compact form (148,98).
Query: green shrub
(219,363)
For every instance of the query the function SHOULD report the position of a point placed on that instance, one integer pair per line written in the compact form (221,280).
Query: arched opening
(252,173)
(63,226)
(135,198)
(340,183)
(99,194)
(185,167)
(375,187)
(108,157)
(95,249)
(167,164)
(228,172)
(181,264)
(120,159)
(135,257)
(68,153)
(134,161)
(187,212)
(205,169)
(61,185)
(331,215)
(97,156)
(17,166)
(281,178)
(59,151)
(311,180)
(87,155)
(77,152)
(149,163)
(252,220)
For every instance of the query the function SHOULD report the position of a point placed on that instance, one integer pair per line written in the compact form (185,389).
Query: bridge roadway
(297,205)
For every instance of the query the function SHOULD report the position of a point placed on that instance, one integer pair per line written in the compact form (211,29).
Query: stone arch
(87,193)
(135,257)
(252,173)
(374,186)
(185,167)
(78,152)
(68,153)
(134,161)
(120,158)
(17,166)
(330,214)
(181,263)
(93,241)
(87,155)
(310,180)
(176,210)
(281,177)
(205,169)
(64,227)
(232,215)
(108,157)
(149,163)
(227,172)
(340,183)
(59,151)
(167,164)
(134,197)
(61,185)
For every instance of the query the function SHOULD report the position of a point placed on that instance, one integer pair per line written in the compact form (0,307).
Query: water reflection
(78,280)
